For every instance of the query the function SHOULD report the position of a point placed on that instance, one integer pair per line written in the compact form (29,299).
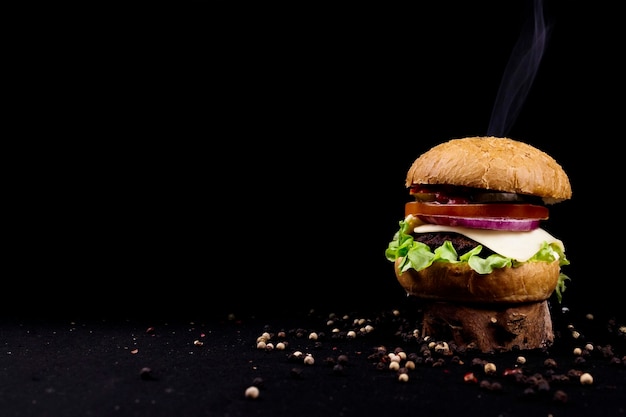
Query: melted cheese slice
(517,245)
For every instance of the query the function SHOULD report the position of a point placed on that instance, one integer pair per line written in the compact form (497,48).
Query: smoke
(519,73)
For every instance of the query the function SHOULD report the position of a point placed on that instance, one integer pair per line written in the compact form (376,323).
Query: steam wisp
(519,73)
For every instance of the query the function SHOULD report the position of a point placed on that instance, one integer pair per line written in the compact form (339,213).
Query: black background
(217,159)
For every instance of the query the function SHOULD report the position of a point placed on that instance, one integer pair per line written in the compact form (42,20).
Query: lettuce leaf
(418,256)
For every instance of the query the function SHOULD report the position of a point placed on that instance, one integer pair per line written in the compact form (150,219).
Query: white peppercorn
(252,392)
(586,379)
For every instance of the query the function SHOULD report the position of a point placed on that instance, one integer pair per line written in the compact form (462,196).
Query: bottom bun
(457,282)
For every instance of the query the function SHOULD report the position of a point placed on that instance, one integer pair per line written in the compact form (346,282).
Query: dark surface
(175,169)
(144,367)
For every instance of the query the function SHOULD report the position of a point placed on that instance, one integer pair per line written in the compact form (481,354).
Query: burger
(471,243)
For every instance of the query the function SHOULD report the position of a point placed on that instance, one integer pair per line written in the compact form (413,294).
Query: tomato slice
(494,210)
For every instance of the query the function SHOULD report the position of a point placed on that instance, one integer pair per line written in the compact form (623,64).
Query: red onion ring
(492,223)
